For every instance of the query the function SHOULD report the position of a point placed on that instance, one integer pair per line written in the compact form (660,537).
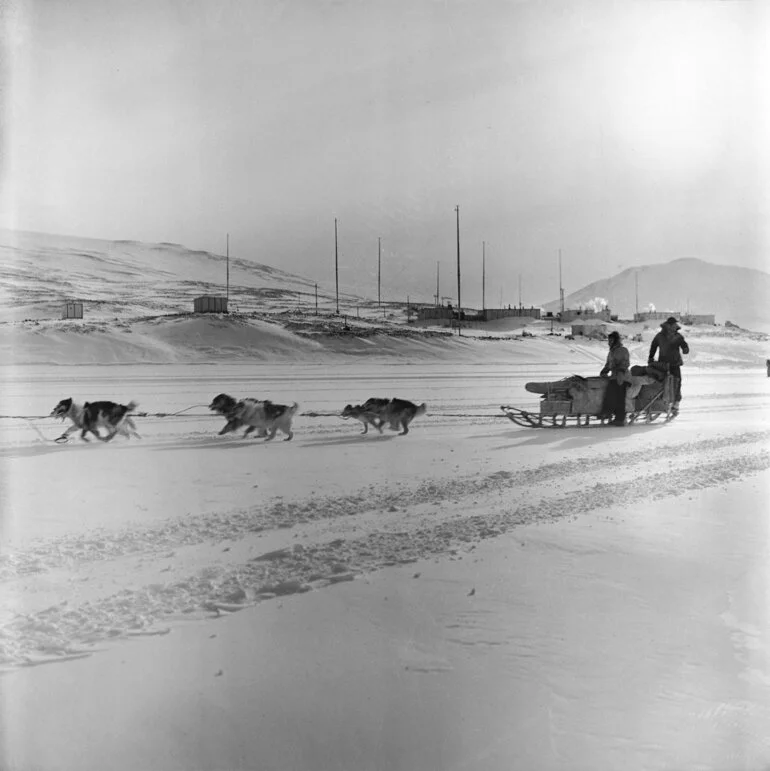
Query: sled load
(577,400)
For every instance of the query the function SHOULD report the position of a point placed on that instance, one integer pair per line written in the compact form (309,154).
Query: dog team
(265,417)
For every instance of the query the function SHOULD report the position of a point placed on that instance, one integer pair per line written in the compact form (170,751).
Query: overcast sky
(622,133)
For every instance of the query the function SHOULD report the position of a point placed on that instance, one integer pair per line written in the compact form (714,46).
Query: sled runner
(579,401)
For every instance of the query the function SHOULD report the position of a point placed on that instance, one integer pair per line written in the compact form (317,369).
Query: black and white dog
(398,413)
(91,416)
(225,405)
(369,413)
(263,416)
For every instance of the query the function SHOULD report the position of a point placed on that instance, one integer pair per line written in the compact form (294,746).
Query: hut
(654,315)
(438,313)
(699,318)
(73,310)
(582,314)
(210,304)
(594,329)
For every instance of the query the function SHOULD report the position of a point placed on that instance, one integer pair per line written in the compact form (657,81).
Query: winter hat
(614,335)
(672,321)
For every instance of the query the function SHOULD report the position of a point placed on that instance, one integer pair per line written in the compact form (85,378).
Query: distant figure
(668,343)
(616,367)
(768,367)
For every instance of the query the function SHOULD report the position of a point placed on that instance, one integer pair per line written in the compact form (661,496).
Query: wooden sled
(579,401)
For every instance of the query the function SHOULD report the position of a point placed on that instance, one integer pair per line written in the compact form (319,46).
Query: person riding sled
(670,345)
(616,368)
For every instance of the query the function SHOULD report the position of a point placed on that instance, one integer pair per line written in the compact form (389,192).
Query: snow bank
(188,338)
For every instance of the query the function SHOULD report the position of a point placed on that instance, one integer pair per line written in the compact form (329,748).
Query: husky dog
(267,417)
(225,406)
(398,413)
(92,416)
(368,413)
(401,412)
(264,416)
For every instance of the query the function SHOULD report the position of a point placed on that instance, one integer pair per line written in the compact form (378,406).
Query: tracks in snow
(325,540)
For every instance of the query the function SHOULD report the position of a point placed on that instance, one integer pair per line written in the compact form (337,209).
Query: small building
(433,313)
(580,314)
(684,318)
(594,329)
(490,314)
(439,313)
(699,318)
(210,304)
(73,310)
(654,315)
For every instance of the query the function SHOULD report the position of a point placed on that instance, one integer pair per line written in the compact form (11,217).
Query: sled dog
(398,413)
(92,416)
(368,413)
(225,406)
(264,416)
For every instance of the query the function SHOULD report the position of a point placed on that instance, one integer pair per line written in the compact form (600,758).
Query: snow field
(584,596)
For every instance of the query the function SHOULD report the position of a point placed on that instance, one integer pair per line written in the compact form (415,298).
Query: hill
(739,295)
(138,300)
(39,272)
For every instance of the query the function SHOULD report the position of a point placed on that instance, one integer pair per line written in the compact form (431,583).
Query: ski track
(431,519)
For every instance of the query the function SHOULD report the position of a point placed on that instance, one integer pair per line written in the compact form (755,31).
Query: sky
(621,133)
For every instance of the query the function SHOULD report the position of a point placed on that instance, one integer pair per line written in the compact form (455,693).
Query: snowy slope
(740,295)
(129,278)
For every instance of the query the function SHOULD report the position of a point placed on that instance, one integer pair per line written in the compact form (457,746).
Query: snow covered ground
(473,595)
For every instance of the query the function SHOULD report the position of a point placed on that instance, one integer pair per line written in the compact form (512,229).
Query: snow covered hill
(39,272)
(740,295)
(138,300)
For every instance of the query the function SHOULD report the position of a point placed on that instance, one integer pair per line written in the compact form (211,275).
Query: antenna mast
(379,270)
(336,267)
(228,268)
(636,276)
(483,274)
(438,296)
(561,289)
(459,304)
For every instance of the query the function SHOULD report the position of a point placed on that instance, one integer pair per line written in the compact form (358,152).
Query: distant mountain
(739,295)
(39,272)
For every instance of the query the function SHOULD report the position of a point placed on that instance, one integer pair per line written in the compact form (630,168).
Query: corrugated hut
(210,304)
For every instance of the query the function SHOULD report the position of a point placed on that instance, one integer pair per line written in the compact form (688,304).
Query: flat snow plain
(473,595)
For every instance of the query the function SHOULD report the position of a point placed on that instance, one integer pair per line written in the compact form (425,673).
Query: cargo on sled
(578,400)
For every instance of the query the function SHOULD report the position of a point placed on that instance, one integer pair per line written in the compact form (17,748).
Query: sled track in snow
(279,514)
(381,527)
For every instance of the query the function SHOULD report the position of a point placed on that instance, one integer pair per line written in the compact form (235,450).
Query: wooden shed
(73,310)
(591,328)
(210,304)
(699,318)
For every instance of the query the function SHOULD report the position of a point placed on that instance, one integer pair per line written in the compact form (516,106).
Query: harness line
(62,439)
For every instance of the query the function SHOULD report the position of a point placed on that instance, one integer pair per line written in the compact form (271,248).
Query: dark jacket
(618,362)
(669,343)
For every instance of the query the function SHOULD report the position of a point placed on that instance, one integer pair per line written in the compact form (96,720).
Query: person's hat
(672,321)
(613,334)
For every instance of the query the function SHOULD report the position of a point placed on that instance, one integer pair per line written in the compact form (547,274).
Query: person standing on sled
(670,346)
(616,367)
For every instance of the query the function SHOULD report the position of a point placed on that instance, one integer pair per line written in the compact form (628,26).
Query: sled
(579,401)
